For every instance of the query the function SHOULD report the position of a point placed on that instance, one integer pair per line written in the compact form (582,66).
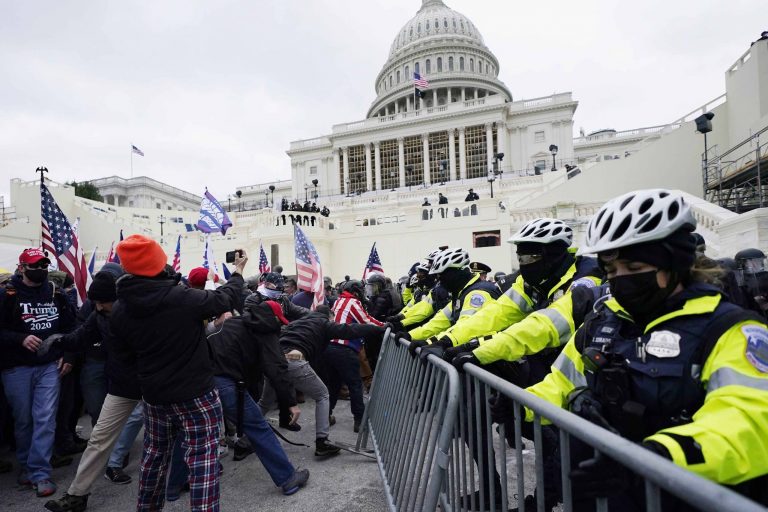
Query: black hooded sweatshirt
(162,323)
(244,347)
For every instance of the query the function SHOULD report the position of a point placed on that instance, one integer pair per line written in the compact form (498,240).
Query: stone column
(408,105)
(451,155)
(334,174)
(463,94)
(347,184)
(462,154)
(501,133)
(368,168)
(401,160)
(425,150)
(489,145)
(434,97)
(377,163)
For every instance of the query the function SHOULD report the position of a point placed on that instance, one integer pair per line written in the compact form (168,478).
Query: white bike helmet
(637,217)
(450,258)
(544,231)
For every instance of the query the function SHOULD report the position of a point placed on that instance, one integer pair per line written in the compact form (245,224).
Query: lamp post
(272,193)
(162,221)
(392,176)
(497,157)
(409,173)
(266,198)
(491,179)
(306,197)
(315,183)
(348,187)
(553,150)
(239,194)
(229,202)
(443,169)
(704,126)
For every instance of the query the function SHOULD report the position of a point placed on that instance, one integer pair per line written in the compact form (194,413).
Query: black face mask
(640,294)
(36,275)
(535,273)
(453,280)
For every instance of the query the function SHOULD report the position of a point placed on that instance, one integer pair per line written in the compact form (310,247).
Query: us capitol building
(466,130)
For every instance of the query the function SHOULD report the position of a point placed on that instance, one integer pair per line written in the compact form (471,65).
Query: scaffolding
(738,178)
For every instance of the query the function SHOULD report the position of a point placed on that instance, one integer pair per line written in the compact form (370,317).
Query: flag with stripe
(177,256)
(263,261)
(92,262)
(136,150)
(60,239)
(374,263)
(309,272)
(208,260)
(212,216)
(420,82)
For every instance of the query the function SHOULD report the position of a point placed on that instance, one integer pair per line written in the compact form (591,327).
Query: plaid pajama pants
(197,421)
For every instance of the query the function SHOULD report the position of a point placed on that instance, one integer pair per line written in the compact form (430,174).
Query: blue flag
(212,216)
(227,273)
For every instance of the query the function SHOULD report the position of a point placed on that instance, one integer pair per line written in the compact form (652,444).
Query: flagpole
(131,160)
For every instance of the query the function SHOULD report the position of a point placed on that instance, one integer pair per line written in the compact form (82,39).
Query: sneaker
(68,503)
(23,478)
(299,478)
(242,449)
(356,426)
(324,449)
(117,476)
(293,428)
(59,461)
(44,488)
(331,419)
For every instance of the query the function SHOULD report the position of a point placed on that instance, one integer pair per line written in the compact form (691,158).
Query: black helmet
(355,287)
(275,279)
(749,254)
(376,278)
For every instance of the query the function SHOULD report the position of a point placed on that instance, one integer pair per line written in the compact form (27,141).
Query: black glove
(657,448)
(50,341)
(415,344)
(502,408)
(464,358)
(598,477)
(394,318)
(433,348)
(451,352)
(403,334)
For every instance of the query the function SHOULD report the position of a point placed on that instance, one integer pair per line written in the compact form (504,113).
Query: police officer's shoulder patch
(476,300)
(757,346)
(586,282)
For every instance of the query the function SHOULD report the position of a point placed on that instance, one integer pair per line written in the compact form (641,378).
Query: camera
(231,255)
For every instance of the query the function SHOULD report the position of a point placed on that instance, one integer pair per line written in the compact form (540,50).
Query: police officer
(666,361)
(481,269)
(429,296)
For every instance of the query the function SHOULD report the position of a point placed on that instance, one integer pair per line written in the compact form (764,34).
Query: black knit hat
(103,288)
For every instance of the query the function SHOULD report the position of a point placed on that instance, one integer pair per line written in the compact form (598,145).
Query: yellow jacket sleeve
(407,294)
(567,374)
(727,441)
(510,308)
(437,324)
(550,327)
(419,312)
(474,303)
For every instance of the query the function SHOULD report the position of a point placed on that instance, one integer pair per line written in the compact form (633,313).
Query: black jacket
(247,346)
(162,323)
(120,370)
(380,306)
(94,350)
(26,310)
(311,334)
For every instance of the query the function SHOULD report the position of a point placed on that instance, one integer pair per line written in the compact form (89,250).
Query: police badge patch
(476,300)
(757,346)
(663,344)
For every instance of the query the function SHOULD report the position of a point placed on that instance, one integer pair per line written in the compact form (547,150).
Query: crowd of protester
(199,362)
(297,206)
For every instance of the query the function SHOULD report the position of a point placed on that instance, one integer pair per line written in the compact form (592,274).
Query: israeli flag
(212,216)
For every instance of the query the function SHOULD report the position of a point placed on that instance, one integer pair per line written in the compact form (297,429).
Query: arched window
(454,23)
(407,73)
(479,65)
(390,80)
(410,34)
(445,22)
(487,69)
(450,63)
(439,64)
(461,63)
(426,25)
(472,64)
(398,76)
(429,66)
(416,68)
(437,24)
(418,29)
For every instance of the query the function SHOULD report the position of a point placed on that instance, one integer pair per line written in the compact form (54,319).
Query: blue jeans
(127,437)
(33,394)
(255,427)
(343,367)
(93,383)
(179,472)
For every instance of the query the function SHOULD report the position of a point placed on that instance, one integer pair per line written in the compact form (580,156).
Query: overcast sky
(214,91)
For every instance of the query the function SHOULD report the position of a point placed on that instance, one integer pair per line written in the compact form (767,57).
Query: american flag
(136,150)
(263,261)
(92,261)
(374,263)
(112,257)
(308,270)
(60,239)
(177,256)
(419,81)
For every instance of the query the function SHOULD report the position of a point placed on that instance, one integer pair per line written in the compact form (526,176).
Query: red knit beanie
(141,256)
(197,277)
(277,310)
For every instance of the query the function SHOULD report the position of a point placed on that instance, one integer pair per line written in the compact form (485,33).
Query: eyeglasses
(527,259)
(41,265)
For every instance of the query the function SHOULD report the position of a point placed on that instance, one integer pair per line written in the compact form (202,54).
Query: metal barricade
(410,418)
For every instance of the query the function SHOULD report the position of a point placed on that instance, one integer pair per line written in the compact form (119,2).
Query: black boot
(68,503)
(324,449)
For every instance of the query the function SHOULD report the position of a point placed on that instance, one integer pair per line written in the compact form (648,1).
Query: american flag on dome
(177,256)
(420,82)
(60,239)
(309,273)
(263,261)
(374,263)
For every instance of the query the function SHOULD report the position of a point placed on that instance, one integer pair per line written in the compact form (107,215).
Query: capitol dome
(446,49)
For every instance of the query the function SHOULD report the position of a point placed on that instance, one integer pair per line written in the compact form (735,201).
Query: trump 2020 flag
(263,261)
(374,263)
(212,216)
(309,273)
(177,256)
